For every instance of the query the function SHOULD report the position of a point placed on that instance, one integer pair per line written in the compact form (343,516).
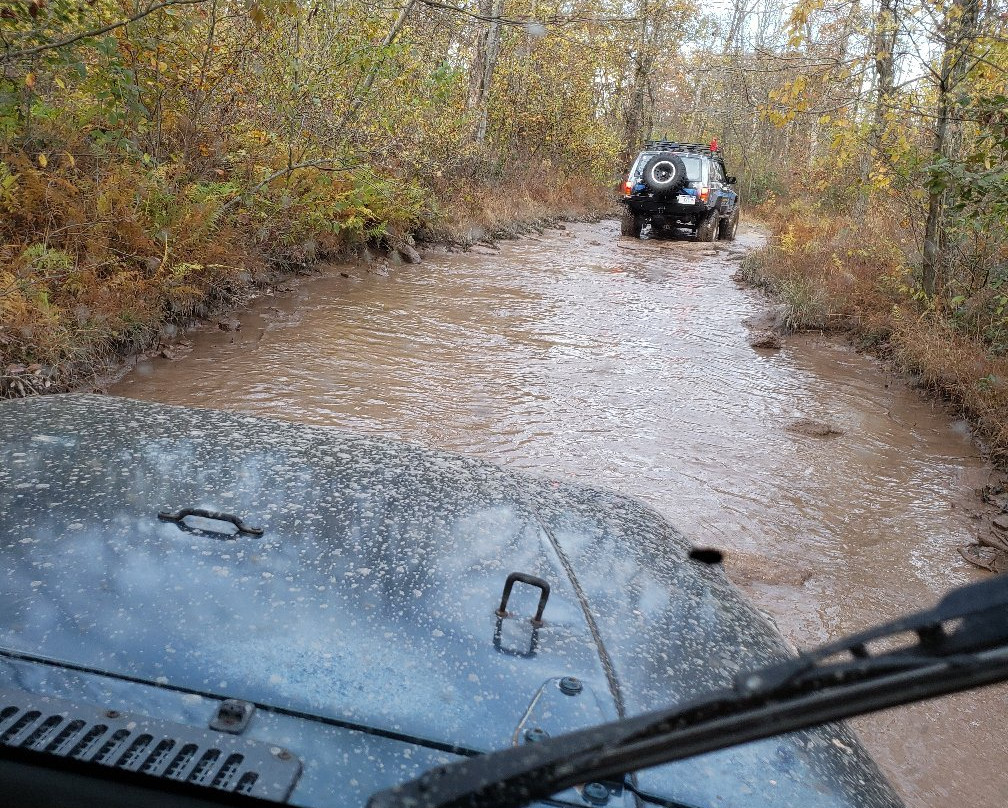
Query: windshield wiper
(960,644)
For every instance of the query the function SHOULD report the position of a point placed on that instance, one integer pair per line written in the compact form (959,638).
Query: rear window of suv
(694,166)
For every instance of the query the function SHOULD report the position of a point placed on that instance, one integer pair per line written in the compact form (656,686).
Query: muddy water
(625,364)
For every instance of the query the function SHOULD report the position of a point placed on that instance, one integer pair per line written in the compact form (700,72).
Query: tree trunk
(886,25)
(738,19)
(634,111)
(484,64)
(884,46)
(959,30)
(369,80)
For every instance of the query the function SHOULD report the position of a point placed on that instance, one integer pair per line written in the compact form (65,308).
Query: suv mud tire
(727,228)
(707,230)
(631,224)
(664,173)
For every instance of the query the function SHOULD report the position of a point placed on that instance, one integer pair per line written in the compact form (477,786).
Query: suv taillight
(628,188)
(704,193)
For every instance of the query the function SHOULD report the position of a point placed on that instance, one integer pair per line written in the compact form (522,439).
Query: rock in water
(814,428)
(408,253)
(771,319)
(765,339)
(988,558)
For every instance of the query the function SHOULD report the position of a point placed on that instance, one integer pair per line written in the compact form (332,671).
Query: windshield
(694,166)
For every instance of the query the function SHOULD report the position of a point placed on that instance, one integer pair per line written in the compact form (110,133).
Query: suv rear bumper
(666,206)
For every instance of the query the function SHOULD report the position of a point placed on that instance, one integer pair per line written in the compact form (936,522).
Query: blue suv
(673,185)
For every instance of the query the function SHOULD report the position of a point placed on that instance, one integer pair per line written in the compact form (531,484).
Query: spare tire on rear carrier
(664,173)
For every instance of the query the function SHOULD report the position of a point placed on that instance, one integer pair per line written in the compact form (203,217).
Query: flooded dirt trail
(625,364)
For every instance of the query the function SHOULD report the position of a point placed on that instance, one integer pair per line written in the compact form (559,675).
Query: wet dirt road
(625,364)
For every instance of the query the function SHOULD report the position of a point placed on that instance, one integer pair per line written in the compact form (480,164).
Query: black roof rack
(669,145)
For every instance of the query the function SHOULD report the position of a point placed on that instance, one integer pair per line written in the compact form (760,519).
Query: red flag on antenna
(713,144)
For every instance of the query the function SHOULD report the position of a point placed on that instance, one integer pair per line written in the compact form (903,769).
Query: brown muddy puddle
(625,364)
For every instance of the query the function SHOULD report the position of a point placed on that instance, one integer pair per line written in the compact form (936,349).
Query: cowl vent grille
(137,743)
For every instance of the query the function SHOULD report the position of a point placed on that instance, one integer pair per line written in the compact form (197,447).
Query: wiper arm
(961,643)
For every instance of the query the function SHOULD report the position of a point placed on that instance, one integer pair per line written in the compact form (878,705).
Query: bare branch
(521,22)
(70,40)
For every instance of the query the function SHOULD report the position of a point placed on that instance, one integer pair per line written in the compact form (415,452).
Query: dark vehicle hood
(370,597)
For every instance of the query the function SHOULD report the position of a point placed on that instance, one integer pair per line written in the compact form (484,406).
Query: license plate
(686,199)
